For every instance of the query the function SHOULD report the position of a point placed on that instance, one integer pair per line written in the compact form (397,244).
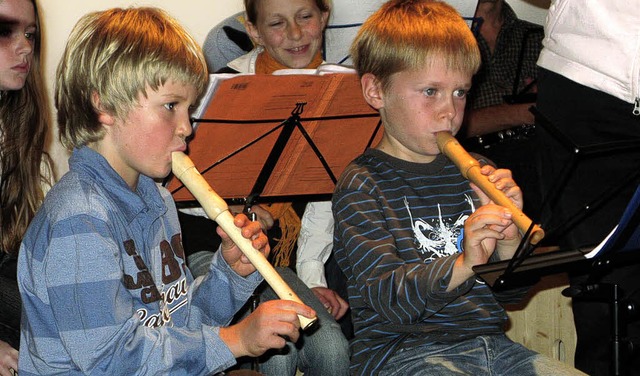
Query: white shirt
(595,43)
(315,243)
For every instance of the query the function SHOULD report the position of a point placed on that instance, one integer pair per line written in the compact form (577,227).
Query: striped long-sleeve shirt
(105,288)
(398,232)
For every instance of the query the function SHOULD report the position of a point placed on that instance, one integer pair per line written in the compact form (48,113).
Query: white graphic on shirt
(174,294)
(438,239)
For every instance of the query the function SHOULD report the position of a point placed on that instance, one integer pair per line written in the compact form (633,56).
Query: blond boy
(102,270)
(409,227)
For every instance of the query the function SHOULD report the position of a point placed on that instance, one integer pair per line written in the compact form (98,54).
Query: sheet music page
(239,125)
(254,97)
(596,250)
(212,86)
(627,230)
(326,68)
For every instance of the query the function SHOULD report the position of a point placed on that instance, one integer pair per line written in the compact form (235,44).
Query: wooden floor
(544,323)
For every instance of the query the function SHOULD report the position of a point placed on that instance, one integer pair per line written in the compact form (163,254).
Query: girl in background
(287,34)
(25,172)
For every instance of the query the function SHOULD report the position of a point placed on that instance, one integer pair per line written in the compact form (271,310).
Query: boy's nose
(447,110)
(185,128)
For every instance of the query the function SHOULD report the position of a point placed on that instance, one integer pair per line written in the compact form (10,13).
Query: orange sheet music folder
(230,154)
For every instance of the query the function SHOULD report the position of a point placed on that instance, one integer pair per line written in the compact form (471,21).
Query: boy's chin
(161,174)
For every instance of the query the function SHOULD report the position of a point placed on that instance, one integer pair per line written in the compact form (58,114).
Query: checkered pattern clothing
(518,45)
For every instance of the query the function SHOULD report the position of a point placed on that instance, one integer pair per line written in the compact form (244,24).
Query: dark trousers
(10,307)
(337,281)
(589,117)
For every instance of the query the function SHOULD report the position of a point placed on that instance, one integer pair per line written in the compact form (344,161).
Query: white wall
(198,16)
(59,17)
(531,10)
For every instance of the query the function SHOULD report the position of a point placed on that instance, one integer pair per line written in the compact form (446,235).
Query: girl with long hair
(25,169)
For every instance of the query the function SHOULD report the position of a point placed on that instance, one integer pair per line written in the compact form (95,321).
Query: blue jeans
(320,351)
(485,355)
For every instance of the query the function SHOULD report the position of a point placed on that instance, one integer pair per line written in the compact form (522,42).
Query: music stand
(253,144)
(621,246)
(578,153)
(247,159)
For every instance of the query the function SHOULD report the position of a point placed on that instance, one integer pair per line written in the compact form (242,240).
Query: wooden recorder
(470,169)
(218,210)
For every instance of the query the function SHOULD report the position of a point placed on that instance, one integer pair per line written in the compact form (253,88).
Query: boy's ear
(372,90)
(253,33)
(104,117)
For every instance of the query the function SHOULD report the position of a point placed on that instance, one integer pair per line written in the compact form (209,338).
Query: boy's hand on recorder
(482,231)
(503,181)
(263,215)
(266,328)
(232,253)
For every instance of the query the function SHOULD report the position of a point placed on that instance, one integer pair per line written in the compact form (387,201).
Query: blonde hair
(117,54)
(409,34)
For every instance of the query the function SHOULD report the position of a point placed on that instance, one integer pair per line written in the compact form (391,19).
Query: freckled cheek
(275,39)
(459,110)
(315,32)
(155,140)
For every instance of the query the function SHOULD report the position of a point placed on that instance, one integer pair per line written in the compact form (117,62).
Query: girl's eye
(170,106)
(5,32)
(8,31)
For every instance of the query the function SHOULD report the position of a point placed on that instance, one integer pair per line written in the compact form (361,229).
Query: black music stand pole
(288,127)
